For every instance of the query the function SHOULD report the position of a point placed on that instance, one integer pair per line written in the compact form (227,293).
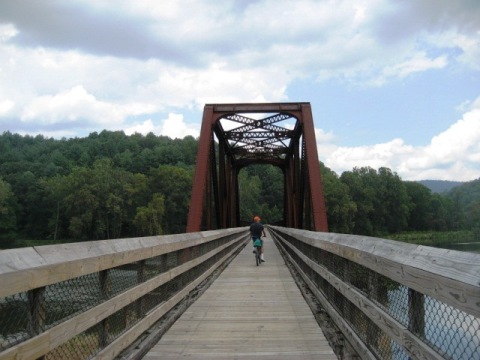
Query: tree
(341,209)
(249,188)
(395,203)
(473,216)
(381,199)
(175,184)
(94,201)
(7,215)
(420,199)
(148,220)
(364,197)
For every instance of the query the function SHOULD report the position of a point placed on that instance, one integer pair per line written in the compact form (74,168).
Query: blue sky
(391,83)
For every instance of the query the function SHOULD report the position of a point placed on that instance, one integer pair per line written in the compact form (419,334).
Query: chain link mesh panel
(14,320)
(27,314)
(452,333)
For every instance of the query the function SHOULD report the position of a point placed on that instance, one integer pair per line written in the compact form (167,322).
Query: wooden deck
(249,312)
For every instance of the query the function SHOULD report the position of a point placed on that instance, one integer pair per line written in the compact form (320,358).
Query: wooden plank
(29,268)
(248,312)
(79,323)
(138,329)
(446,275)
(383,320)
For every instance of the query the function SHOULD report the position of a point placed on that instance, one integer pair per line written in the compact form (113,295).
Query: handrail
(391,299)
(92,299)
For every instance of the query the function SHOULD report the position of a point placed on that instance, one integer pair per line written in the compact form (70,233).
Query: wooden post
(416,313)
(36,299)
(140,279)
(105,291)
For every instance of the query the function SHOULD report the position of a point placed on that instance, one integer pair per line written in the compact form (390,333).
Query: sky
(391,83)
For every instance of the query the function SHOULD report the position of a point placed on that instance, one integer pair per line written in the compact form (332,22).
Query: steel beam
(256,141)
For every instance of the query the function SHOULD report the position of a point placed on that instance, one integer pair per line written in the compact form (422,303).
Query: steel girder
(256,140)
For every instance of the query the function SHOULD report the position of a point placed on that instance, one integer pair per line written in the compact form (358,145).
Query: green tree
(261,192)
(148,220)
(473,215)
(94,202)
(381,199)
(249,188)
(440,218)
(394,201)
(420,211)
(364,197)
(175,183)
(341,209)
(7,215)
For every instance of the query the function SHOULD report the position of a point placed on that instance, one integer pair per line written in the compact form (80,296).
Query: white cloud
(7,31)
(375,156)
(71,106)
(142,128)
(174,127)
(6,106)
(451,155)
(219,83)
(417,63)
(175,56)
(461,139)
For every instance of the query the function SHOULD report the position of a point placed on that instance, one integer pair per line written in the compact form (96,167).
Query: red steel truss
(253,137)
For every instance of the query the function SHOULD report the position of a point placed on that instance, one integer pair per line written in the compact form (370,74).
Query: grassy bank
(442,239)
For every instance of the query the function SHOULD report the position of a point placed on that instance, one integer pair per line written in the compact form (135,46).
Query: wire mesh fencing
(82,316)
(399,316)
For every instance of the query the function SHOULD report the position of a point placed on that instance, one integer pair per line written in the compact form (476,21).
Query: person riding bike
(256,231)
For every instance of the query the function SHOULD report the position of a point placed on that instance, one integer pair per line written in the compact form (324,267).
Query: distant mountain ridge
(440,186)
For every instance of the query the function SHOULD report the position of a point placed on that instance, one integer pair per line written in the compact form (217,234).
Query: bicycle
(257,250)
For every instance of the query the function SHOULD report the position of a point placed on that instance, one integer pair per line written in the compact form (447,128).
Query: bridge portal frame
(215,193)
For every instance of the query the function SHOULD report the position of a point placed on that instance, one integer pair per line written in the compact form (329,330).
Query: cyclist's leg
(261,251)
(257,255)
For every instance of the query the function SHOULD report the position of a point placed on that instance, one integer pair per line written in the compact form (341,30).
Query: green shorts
(257,242)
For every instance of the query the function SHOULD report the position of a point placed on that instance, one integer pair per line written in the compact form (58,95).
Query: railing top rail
(28,268)
(448,275)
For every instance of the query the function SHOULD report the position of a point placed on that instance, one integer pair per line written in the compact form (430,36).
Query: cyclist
(257,230)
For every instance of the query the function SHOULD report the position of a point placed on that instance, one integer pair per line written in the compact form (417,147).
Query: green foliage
(436,238)
(148,220)
(386,204)
(341,209)
(261,193)
(249,188)
(7,214)
(465,201)
(175,183)
(111,185)
(93,188)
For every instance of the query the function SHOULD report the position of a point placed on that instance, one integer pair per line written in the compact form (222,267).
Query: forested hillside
(110,185)
(440,186)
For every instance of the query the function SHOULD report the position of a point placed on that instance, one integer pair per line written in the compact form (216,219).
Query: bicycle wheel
(257,256)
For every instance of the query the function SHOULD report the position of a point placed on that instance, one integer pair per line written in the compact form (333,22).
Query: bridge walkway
(249,312)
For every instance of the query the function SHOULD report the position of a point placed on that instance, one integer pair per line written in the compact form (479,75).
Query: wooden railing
(94,299)
(391,300)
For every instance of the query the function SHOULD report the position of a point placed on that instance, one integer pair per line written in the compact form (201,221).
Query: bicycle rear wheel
(257,256)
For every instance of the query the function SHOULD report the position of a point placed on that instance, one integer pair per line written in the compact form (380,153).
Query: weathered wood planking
(248,312)
(450,276)
(30,268)
(50,339)
(395,330)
